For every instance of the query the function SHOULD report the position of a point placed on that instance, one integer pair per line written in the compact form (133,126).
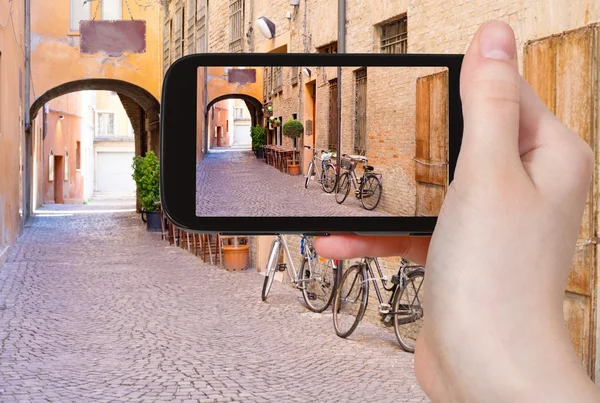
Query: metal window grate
(236,26)
(360,112)
(333,115)
(394,36)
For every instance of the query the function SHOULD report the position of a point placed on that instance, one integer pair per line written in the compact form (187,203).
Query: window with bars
(201,26)
(329,48)
(332,135)
(360,112)
(236,26)
(393,36)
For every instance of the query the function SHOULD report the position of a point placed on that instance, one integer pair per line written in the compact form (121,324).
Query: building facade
(12,123)
(557,46)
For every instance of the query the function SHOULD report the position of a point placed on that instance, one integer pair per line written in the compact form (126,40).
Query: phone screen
(304,142)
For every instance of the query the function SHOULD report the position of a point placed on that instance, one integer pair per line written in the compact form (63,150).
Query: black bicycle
(367,188)
(403,310)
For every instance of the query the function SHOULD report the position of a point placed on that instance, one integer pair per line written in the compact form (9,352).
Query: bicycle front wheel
(309,173)
(350,302)
(370,194)
(318,278)
(407,308)
(343,188)
(271,269)
(329,179)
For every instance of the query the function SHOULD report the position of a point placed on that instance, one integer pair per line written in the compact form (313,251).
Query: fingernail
(497,41)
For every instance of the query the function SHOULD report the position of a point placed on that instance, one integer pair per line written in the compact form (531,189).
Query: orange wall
(62,138)
(11,127)
(55,50)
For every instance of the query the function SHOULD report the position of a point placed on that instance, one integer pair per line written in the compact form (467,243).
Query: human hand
(498,261)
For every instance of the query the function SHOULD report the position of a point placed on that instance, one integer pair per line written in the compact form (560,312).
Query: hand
(498,261)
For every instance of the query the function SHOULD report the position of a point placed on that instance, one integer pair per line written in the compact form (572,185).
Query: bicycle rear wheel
(350,302)
(407,307)
(271,269)
(309,173)
(329,178)
(370,194)
(343,188)
(318,277)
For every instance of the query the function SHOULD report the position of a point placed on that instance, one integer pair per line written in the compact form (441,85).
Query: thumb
(490,93)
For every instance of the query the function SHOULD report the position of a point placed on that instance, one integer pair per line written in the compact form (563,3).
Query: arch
(142,97)
(247,98)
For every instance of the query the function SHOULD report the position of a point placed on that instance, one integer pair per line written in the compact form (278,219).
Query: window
(239,113)
(294,75)
(191,30)
(332,143)
(278,78)
(112,9)
(167,40)
(79,11)
(178,34)
(66,176)
(200,26)
(394,36)
(330,48)
(265,84)
(51,166)
(106,124)
(360,112)
(236,26)
(78,156)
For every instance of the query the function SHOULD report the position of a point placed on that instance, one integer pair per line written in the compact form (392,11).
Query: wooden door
(563,70)
(431,154)
(58,179)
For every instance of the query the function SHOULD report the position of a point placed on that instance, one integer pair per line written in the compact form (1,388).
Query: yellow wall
(110,102)
(55,50)
(11,120)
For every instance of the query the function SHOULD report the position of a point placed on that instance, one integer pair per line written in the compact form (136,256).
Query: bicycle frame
(367,263)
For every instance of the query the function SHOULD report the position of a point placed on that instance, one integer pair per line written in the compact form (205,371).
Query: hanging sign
(112,37)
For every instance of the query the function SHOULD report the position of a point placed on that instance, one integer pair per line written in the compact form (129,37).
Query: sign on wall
(113,37)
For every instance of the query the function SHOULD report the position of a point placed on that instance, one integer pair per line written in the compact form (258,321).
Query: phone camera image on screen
(289,142)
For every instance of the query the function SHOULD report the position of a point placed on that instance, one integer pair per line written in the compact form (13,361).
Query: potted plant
(235,257)
(293,129)
(259,139)
(146,174)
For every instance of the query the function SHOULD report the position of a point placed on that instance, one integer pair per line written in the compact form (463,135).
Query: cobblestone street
(94,308)
(248,187)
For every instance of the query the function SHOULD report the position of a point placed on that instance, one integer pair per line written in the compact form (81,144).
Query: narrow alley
(94,308)
(247,187)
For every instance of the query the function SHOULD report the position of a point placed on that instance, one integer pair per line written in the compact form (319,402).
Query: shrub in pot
(259,139)
(293,129)
(146,174)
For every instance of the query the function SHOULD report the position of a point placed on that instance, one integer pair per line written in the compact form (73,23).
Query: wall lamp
(61,117)
(266,27)
(307,72)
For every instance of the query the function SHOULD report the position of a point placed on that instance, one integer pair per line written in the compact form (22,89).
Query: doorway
(58,179)
(219,136)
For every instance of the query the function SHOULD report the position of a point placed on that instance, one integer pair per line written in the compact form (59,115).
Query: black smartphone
(309,143)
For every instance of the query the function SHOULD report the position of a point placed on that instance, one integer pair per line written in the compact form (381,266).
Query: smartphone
(309,143)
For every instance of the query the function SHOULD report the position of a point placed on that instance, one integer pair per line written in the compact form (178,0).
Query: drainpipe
(341,49)
(28,174)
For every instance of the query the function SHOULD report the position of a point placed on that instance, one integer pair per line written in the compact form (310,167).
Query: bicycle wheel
(329,179)
(350,302)
(309,173)
(407,307)
(318,277)
(271,269)
(343,188)
(370,194)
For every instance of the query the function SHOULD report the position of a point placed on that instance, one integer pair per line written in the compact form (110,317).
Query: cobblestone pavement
(248,187)
(93,308)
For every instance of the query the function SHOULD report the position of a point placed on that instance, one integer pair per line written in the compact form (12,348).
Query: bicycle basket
(348,164)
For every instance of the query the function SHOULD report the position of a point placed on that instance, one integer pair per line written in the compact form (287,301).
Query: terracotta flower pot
(294,169)
(235,258)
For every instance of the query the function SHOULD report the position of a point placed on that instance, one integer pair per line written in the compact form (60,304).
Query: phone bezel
(178,152)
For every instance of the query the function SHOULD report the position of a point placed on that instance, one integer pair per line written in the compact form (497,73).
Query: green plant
(146,174)
(293,129)
(259,136)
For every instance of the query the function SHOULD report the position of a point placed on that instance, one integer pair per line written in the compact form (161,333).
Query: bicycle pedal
(387,320)
(384,309)
(281,267)
(395,279)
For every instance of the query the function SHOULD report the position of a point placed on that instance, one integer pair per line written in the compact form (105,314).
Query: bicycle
(403,308)
(367,188)
(316,281)
(323,169)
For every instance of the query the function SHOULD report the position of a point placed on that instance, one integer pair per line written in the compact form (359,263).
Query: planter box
(235,259)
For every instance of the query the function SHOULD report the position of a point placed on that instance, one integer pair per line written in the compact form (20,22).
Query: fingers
(490,84)
(354,246)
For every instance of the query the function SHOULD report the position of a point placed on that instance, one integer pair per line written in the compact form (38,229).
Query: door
(219,136)
(59,179)
(563,70)
(242,135)
(113,172)
(431,153)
